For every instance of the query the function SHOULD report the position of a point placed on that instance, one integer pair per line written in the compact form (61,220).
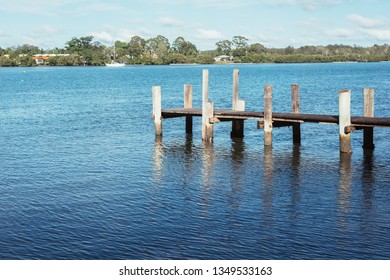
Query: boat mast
(114,53)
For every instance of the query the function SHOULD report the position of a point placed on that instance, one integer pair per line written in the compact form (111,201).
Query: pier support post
(268,115)
(345,120)
(237,105)
(207,109)
(156,92)
(368,133)
(296,109)
(188,104)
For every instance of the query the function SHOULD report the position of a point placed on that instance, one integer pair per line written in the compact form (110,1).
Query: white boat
(115,63)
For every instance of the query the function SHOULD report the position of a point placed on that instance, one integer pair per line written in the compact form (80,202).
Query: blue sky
(274,23)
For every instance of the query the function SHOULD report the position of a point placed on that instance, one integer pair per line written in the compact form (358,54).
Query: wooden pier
(267,119)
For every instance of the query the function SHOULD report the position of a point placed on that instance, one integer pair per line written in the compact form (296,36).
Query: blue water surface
(82,175)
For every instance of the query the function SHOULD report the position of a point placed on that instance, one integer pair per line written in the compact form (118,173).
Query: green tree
(241,46)
(205,59)
(257,49)
(27,49)
(177,58)
(180,45)
(74,45)
(289,50)
(5,61)
(224,47)
(157,50)
(86,42)
(136,46)
(87,55)
(26,60)
(99,59)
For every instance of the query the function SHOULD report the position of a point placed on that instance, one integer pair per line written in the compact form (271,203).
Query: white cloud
(340,33)
(38,7)
(47,29)
(366,22)
(227,4)
(111,34)
(124,35)
(104,7)
(3,33)
(310,5)
(207,34)
(378,34)
(373,28)
(170,22)
(103,37)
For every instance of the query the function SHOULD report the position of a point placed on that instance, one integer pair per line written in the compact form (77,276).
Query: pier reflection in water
(266,203)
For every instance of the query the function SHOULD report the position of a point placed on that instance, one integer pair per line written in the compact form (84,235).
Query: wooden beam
(156,96)
(215,120)
(280,117)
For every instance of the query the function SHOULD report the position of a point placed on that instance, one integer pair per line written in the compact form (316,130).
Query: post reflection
(237,170)
(344,190)
(296,166)
(368,179)
(207,163)
(268,185)
(188,159)
(207,174)
(295,185)
(158,158)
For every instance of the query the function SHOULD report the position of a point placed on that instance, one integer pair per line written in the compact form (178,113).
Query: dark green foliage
(158,51)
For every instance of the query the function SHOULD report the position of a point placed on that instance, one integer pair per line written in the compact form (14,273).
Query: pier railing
(267,120)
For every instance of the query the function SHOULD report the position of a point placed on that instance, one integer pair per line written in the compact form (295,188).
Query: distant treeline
(159,51)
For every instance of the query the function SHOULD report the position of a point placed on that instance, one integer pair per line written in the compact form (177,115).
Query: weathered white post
(207,109)
(296,109)
(268,115)
(188,104)
(345,120)
(156,94)
(237,105)
(368,133)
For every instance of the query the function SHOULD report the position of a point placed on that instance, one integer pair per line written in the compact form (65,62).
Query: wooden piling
(268,115)
(156,92)
(296,109)
(345,120)
(207,109)
(368,133)
(237,105)
(235,88)
(188,104)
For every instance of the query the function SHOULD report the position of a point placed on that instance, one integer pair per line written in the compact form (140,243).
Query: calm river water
(83,177)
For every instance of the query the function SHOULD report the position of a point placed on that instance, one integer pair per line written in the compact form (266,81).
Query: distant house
(223,58)
(41,58)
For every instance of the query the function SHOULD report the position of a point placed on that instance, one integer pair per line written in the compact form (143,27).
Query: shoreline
(196,64)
